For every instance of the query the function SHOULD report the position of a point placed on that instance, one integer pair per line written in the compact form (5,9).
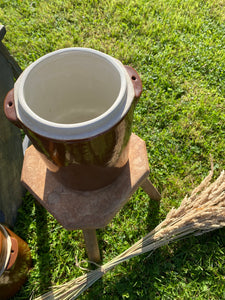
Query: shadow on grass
(43,248)
(31,226)
(153,214)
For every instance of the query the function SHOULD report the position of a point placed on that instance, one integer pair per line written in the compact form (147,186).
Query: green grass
(177,47)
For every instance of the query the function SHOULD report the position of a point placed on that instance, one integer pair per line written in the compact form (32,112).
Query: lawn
(177,47)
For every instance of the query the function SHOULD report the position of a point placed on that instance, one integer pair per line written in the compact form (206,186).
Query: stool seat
(87,209)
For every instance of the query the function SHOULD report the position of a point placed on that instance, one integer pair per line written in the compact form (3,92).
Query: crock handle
(9,108)
(136,80)
(14,253)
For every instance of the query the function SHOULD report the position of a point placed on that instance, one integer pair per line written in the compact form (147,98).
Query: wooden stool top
(85,209)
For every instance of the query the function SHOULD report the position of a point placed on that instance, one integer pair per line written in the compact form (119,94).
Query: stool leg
(149,188)
(91,243)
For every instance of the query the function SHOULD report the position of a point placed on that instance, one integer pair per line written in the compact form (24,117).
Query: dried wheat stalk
(202,212)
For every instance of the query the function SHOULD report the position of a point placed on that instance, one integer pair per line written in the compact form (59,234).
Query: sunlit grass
(177,47)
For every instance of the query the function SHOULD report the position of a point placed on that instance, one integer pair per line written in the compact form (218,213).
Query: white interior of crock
(73,93)
(72,87)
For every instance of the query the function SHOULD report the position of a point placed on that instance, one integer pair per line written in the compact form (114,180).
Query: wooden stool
(88,210)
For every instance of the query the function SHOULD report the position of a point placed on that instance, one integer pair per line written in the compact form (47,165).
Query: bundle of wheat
(202,212)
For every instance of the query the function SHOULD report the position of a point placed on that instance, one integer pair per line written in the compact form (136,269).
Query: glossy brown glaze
(86,164)
(17,270)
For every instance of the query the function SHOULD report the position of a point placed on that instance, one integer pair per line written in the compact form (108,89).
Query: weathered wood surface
(15,68)
(91,243)
(11,155)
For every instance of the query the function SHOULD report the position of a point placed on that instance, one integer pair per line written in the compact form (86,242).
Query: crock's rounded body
(76,105)
(91,163)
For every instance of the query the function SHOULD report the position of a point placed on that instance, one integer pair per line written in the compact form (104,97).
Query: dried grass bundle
(202,212)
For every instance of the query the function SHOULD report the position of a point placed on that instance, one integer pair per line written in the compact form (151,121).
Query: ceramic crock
(15,262)
(76,105)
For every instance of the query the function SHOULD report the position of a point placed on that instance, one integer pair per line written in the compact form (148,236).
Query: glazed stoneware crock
(76,105)
(15,263)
